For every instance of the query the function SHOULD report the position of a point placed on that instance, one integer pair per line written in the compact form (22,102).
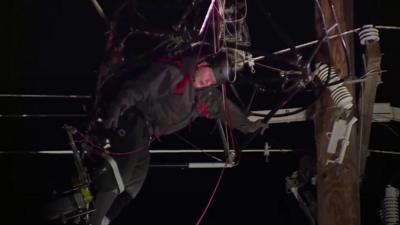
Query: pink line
(207,16)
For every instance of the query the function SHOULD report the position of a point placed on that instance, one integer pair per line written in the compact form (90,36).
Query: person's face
(204,77)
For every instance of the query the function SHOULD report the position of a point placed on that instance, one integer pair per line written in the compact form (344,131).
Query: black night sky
(55,48)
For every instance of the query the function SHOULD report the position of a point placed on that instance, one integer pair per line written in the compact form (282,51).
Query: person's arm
(229,113)
(155,83)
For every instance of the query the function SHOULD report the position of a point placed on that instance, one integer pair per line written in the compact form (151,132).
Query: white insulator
(368,33)
(339,93)
(390,211)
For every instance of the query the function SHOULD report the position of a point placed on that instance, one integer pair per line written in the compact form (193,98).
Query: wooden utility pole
(372,59)
(337,184)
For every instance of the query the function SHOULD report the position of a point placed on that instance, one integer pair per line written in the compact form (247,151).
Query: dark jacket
(169,102)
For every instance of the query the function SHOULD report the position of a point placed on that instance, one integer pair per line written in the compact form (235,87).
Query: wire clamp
(340,134)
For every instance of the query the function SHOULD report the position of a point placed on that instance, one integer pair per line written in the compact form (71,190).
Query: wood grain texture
(337,186)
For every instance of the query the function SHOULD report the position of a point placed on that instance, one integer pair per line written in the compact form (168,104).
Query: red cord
(212,196)
(223,169)
(101,149)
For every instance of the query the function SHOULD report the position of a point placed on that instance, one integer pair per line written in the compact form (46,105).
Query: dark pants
(130,145)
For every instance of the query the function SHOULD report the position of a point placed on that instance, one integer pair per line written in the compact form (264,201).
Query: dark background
(55,47)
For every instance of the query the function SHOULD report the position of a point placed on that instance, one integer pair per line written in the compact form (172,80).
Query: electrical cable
(253,94)
(279,32)
(328,44)
(325,29)
(284,114)
(389,129)
(196,147)
(41,115)
(265,120)
(341,38)
(340,81)
(236,94)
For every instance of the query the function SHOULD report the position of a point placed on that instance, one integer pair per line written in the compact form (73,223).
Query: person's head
(213,70)
(204,76)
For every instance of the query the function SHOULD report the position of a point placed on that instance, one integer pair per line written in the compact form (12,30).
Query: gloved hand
(256,125)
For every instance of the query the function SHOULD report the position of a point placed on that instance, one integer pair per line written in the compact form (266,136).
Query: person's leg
(118,205)
(130,141)
(133,170)
(136,168)
(102,203)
